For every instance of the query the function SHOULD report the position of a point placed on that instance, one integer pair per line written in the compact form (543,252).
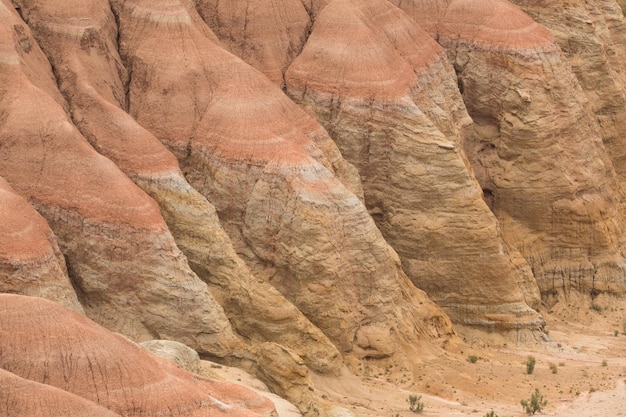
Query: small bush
(553,368)
(616,333)
(491,414)
(535,403)
(472,358)
(415,403)
(530,364)
(596,307)
(605,363)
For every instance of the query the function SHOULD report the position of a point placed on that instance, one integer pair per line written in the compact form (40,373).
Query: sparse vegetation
(616,333)
(472,358)
(553,368)
(491,414)
(530,364)
(415,403)
(596,307)
(605,363)
(535,403)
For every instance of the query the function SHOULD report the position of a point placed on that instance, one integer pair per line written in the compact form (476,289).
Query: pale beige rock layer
(277,181)
(592,35)
(31,262)
(130,275)
(535,147)
(387,95)
(45,343)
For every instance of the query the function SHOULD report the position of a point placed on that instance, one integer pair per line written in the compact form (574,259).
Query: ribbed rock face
(122,258)
(592,35)
(89,53)
(47,344)
(30,260)
(24,398)
(535,148)
(266,34)
(280,186)
(387,95)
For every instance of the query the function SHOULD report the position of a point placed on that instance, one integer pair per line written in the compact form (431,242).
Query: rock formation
(535,147)
(45,343)
(365,60)
(30,260)
(592,36)
(130,275)
(23,398)
(270,182)
(279,184)
(89,54)
(266,34)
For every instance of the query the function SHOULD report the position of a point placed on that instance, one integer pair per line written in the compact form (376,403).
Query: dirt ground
(581,371)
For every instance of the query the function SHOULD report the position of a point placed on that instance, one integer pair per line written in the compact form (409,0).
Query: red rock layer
(88,53)
(48,344)
(536,147)
(274,176)
(23,398)
(388,97)
(120,254)
(267,34)
(30,260)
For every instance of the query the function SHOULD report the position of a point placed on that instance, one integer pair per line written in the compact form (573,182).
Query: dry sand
(590,363)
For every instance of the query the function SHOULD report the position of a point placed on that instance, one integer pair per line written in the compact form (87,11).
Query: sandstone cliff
(279,184)
(270,182)
(392,106)
(30,260)
(536,149)
(120,255)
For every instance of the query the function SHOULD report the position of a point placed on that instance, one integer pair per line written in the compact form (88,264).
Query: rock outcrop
(23,398)
(387,95)
(279,184)
(45,343)
(129,273)
(93,78)
(266,34)
(536,149)
(592,36)
(31,262)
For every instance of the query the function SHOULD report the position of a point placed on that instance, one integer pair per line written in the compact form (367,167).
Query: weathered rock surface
(30,260)
(536,148)
(274,176)
(387,95)
(89,53)
(130,275)
(23,398)
(45,343)
(266,34)
(592,35)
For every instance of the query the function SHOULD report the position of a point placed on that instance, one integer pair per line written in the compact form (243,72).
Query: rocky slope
(536,149)
(296,187)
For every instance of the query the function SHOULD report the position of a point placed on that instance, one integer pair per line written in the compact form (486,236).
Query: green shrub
(535,403)
(530,364)
(491,414)
(415,403)
(616,333)
(472,358)
(605,363)
(553,368)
